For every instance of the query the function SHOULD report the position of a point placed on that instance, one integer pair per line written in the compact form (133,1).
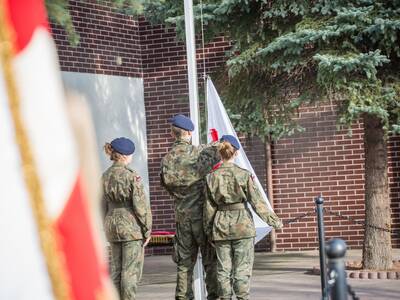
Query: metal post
(319,201)
(270,194)
(336,249)
(199,287)
(199,290)
(192,71)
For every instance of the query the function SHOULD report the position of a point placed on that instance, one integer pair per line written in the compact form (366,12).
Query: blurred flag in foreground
(49,249)
(219,122)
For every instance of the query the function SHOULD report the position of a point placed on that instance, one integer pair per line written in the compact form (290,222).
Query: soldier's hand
(147,241)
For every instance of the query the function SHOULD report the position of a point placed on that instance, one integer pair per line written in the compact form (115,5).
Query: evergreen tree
(287,54)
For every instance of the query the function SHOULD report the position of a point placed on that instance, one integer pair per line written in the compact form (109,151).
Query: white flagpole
(192,71)
(198,284)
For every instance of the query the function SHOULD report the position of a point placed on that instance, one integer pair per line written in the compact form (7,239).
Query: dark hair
(226,150)
(114,155)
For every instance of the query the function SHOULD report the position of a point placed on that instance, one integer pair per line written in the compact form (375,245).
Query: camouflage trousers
(126,267)
(188,239)
(234,267)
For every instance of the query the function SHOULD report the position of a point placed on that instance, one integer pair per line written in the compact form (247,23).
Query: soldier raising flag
(183,171)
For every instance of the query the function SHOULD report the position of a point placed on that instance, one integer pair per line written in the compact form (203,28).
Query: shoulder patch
(134,174)
(216,166)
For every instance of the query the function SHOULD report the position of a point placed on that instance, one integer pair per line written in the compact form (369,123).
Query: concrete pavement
(275,276)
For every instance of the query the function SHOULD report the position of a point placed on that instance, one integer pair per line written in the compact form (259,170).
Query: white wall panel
(117,106)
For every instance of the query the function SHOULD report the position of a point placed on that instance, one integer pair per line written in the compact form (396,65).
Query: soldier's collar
(227,164)
(118,164)
(182,141)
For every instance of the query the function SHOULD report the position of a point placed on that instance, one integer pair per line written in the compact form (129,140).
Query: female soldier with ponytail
(127,217)
(228,221)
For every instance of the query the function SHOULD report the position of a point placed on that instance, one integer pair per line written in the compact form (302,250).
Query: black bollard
(319,201)
(336,249)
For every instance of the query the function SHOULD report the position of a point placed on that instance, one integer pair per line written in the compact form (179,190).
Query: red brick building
(321,160)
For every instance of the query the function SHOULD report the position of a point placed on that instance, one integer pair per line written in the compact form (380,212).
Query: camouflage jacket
(183,172)
(230,186)
(126,211)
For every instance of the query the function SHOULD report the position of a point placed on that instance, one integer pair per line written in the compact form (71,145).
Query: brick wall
(109,41)
(321,160)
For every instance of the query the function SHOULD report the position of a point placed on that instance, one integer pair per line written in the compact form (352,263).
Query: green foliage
(129,7)
(59,13)
(289,53)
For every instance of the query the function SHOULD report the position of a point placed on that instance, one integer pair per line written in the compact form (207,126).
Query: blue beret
(182,122)
(232,140)
(123,145)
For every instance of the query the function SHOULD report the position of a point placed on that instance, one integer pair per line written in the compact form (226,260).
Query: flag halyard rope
(202,41)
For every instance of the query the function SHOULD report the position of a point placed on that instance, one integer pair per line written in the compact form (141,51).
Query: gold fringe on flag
(161,239)
(54,259)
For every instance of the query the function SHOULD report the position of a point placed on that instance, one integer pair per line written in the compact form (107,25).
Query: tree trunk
(377,251)
(270,194)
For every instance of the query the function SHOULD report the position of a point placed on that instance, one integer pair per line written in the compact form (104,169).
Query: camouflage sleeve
(141,207)
(162,183)
(104,207)
(209,211)
(256,201)
(208,157)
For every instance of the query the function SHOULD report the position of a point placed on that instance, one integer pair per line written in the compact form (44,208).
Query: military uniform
(183,172)
(127,222)
(229,224)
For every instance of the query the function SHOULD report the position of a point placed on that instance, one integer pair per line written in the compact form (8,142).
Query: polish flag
(218,122)
(49,249)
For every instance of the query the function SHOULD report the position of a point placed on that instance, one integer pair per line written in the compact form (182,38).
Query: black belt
(233,206)
(113,205)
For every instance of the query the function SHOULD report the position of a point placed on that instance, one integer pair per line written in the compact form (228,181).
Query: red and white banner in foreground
(42,191)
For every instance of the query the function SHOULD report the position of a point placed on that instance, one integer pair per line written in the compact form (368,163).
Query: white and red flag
(218,122)
(48,245)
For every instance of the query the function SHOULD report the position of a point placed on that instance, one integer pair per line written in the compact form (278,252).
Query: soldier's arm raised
(256,201)
(208,157)
(141,207)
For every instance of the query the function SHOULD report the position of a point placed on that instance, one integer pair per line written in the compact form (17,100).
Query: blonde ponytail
(226,150)
(111,153)
(108,149)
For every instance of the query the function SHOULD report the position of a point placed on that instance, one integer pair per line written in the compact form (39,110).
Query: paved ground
(275,276)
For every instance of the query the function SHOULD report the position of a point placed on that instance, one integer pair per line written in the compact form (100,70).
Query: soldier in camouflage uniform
(127,218)
(228,221)
(183,172)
